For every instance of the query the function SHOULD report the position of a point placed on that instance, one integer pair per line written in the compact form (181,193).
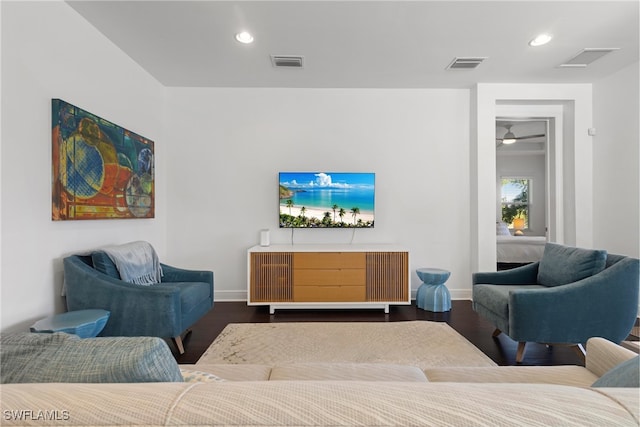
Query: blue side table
(433,295)
(83,323)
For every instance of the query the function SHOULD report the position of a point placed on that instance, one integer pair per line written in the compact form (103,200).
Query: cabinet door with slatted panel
(387,276)
(271,277)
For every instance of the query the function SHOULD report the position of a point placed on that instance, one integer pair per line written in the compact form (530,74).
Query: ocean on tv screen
(327,199)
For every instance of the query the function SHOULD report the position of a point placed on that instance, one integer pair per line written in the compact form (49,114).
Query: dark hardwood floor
(462,318)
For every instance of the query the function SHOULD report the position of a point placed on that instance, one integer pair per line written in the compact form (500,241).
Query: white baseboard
(229,296)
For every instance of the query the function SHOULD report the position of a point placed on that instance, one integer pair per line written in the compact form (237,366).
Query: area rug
(418,343)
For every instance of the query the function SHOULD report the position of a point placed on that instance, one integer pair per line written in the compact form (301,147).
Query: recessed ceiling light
(244,37)
(540,40)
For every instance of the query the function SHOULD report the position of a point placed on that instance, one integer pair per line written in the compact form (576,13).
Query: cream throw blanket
(137,262)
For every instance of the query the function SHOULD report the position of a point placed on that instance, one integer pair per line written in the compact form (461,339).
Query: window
(514,198)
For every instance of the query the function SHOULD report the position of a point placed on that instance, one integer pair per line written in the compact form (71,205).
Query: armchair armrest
(575,312)
(175,274)
(603,355)
(525,275)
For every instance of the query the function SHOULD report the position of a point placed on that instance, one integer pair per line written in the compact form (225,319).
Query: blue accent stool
(83,323)
(433,295)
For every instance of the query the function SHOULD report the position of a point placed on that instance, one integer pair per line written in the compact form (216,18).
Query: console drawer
(319,260)
(339,277)
(329,293)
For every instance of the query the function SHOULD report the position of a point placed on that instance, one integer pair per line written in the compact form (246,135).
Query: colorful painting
(99,170)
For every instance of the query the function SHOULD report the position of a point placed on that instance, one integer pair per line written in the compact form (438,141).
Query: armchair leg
(579,348)
(520,352)
(178,342)
(496,333)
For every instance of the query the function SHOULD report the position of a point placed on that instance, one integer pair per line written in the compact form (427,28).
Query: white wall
(616,153)
(228,145)
(49,51)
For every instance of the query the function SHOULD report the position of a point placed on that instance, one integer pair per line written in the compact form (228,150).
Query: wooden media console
(328,276)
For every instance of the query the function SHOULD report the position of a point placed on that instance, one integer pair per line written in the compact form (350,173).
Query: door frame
(554,115)
(576,100)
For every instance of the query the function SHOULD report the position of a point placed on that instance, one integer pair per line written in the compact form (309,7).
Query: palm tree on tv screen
(355,211)
(326,219)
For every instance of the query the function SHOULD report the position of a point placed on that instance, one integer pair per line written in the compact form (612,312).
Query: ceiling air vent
(586,57)
(465,63)
(289,61)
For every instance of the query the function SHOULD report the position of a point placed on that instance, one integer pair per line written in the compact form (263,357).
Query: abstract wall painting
(99,169)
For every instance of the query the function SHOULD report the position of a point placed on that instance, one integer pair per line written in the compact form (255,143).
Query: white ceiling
(381,44)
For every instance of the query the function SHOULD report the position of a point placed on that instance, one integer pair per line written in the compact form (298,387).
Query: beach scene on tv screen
(327,199)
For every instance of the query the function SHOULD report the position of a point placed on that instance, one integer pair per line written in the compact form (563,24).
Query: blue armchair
(165,310)
(567,297)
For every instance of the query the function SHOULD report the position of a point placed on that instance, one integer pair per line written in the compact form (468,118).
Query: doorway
(536,155)
(521,172)
(569,158)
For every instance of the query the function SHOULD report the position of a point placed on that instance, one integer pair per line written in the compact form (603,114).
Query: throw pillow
(564,264)
(103,264)
(626,374)
(190,376)
(502,229)
(61,357)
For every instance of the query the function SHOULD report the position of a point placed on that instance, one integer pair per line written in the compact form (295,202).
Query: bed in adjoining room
(520,249)
(513,251)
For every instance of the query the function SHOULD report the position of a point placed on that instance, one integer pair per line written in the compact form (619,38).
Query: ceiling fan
(510,138)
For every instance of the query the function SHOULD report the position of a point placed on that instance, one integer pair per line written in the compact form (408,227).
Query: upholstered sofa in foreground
(302,394)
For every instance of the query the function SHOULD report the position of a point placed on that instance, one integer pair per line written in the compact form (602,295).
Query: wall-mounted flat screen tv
(327,199)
